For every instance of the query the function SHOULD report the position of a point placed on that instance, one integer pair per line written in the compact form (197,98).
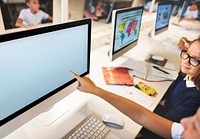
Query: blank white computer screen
(35,64)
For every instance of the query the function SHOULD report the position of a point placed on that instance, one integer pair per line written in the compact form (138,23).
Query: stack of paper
(139,68)
(164,72)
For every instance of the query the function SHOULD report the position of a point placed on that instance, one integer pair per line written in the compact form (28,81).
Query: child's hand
(32,26)
(183,43)
(84,83)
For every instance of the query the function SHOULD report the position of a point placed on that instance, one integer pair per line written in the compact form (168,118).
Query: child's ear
(28,4)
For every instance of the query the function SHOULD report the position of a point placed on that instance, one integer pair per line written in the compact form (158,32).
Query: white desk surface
(145,47)
(85,104)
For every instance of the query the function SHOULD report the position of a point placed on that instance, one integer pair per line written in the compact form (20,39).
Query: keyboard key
(89,128)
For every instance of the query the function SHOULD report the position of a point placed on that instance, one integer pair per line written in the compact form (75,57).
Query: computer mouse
(113,120)
(158,58)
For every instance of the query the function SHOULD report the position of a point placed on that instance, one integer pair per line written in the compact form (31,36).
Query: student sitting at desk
(183,97)
(192,11)
(31,17)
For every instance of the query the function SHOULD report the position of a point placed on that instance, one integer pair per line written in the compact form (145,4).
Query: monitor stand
(151,32)
(54,113)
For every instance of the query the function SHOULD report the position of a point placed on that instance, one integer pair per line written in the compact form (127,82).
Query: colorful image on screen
(163,16)
(127,28)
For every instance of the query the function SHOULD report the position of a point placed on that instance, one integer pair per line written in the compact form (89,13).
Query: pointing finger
(74,74)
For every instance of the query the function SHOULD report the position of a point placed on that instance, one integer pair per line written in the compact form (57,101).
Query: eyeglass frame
(188,56)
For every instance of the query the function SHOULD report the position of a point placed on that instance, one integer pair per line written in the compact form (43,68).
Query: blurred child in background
(32,16)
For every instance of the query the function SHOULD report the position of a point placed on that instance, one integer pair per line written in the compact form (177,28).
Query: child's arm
(19,23)
(189,18)
(50,18)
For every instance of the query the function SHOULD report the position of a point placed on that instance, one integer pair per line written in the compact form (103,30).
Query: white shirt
(189,83)
(177,130)
(148,6)
(191,14)
(32,19)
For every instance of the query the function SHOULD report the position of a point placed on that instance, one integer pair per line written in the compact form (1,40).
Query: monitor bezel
(165,28)
(114,55)
(38,31)
(113,7)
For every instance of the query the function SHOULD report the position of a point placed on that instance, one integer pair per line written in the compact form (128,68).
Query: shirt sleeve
(45,15)
(22,14)
(176,131)
(191,14)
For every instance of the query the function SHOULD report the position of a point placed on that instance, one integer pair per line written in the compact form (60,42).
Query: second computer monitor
(163,17)
(125,30)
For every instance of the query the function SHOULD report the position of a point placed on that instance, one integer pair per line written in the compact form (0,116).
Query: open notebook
(138,68)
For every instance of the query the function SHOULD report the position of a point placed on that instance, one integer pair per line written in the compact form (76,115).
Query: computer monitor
(35,67)
(163,17)
(118,4)
(125,30)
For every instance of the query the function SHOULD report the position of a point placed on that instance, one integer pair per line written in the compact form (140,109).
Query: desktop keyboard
(90,128)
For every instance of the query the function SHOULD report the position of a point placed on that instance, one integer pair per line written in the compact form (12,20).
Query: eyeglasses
(192,61)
